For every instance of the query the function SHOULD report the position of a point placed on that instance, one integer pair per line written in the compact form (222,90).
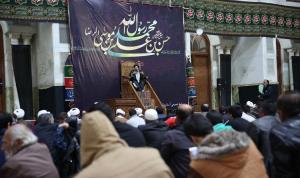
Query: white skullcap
(42,112)
(20,113)
(120,111)
(73,112)
(139,111)
(250,104)
(151,114)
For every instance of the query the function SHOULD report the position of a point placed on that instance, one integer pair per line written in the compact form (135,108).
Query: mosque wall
(253,60)
(44,52)
(13,34)
(51,66)
(49,51)
(247,61)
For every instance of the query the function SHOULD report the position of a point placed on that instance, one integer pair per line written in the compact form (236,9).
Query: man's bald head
(183,112)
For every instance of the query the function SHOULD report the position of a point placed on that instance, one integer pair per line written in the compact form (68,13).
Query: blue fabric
(67,152)
(2,155)
(162,117)
(60,139)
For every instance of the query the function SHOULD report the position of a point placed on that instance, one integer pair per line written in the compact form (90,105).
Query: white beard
(9,154)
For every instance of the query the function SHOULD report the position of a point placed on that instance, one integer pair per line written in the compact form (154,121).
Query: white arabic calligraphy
(129,37)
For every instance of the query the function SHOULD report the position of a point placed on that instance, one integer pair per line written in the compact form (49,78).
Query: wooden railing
(154,96)
(128,91)
(138,99)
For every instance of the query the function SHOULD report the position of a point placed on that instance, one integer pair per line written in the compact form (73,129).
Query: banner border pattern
(215,17)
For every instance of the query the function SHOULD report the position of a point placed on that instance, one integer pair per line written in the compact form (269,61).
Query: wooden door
(2,78)
(21,57)
(201,64)
(225,69)
(296,72)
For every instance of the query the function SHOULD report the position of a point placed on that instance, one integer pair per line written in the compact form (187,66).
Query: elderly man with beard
(25,157)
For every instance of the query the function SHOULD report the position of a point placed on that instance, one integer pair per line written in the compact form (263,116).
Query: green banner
(228,18)
(214,17)
(237,18)
(40,10)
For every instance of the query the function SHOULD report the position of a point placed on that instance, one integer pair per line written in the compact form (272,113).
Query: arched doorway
(202,69)
(2,77)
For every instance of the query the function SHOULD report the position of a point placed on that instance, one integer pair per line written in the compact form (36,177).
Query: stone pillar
(297,53)
(18,38)
(220,50)
(291,53)
(14,40)
(27,39)
(227,50)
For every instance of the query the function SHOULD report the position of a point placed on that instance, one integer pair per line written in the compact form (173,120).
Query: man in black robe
(138,78)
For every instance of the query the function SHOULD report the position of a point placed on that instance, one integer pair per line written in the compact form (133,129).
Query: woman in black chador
(138,78)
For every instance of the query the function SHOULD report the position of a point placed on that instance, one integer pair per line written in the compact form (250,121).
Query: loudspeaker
(220,83)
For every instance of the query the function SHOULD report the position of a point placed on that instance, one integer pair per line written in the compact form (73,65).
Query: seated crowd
(239,141)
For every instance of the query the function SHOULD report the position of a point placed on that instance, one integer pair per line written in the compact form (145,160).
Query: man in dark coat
(242,125)
(267,93)
(45,131)
(66,144)
(25,157)
(265,123)
(204,109)
(61,140)
(138,78)
(133,136)
(175,146)
(285,137)
(154,130)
